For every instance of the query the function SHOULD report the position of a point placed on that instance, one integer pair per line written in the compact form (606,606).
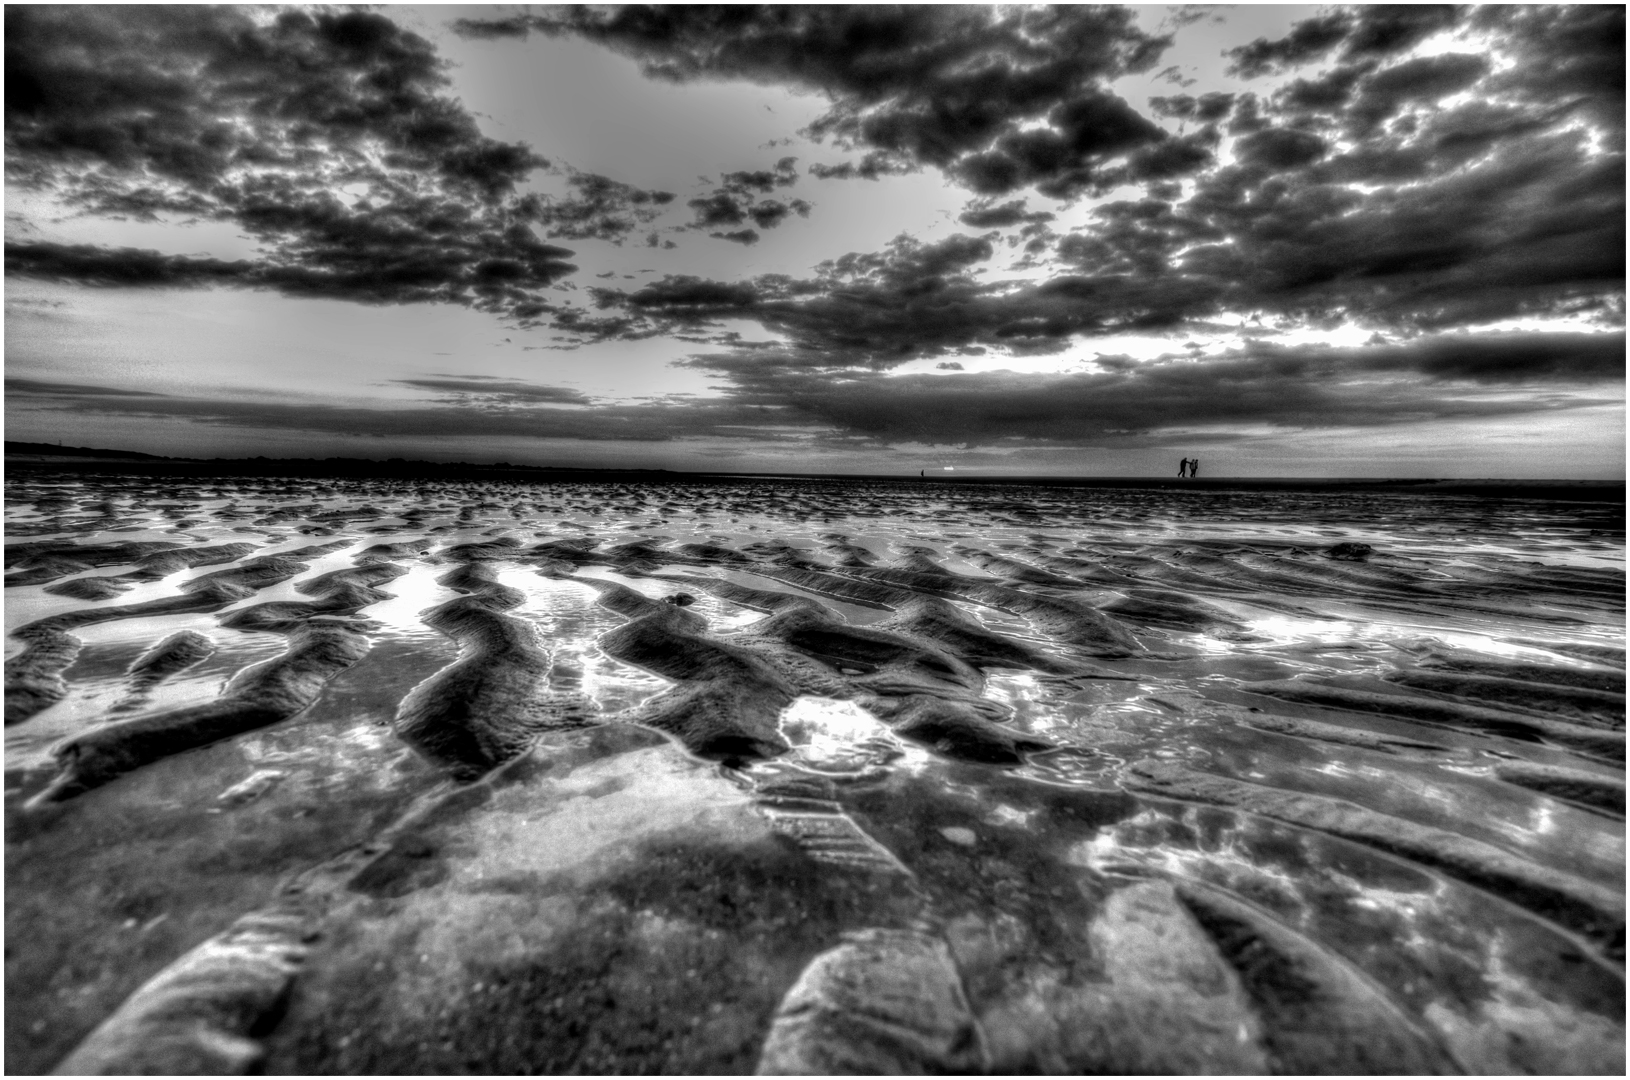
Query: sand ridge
(688,777)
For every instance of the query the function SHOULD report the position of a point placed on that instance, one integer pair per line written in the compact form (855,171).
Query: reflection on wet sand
(383,776)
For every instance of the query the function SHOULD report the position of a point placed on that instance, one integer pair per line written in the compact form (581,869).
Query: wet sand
(384,775)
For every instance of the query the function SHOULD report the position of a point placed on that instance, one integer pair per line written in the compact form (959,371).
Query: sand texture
(312,776)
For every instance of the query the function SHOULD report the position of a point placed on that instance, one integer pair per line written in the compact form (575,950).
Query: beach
(315,774)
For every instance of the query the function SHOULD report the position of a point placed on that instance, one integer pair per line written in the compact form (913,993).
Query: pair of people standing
(1189,468)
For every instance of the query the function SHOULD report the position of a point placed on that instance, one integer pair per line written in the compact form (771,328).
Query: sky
(1289,241)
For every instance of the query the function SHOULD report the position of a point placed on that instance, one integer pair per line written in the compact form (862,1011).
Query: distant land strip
(28,449)
(50,455)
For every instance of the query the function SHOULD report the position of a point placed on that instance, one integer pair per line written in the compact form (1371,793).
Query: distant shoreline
(43,456)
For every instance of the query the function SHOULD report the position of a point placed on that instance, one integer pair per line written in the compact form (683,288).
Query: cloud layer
(955,88)
(1410,195)
(768,396)
(1347,180)
(327,137)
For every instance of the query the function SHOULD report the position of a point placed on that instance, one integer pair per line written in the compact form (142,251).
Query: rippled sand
(379,777)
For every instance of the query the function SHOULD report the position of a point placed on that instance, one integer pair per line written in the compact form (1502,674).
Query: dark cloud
(1278,149)
(598,208)
(1427,257)
(190,94)
(872,166)
(37,388)
(1479,216)
(334,262)
(1428,78)
(951,87)
(771,393)
(1370,30)
(125,267)
(1004,408)
(690,294)
(767,215)
(493,273)
(1482,196)
(1169,159)
(985,214)
(910,265)
(513,26)
(762,181)
(1513,358)
(1389,29)
(638,422)
(1309,387)
(735,201)
(1414,195)
(260,118)
(1206,108)
(720,208)
(489,391)
(1070,156)
(913,300)
(1411,195)
(1310,39)
(1572,54)
(1328,93)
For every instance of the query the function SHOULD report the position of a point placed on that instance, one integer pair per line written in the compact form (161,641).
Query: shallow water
(1154,755)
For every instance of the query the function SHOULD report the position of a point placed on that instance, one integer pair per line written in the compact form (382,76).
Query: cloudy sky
(1291,241)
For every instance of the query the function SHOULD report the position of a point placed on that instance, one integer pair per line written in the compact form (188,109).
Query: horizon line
(17,452)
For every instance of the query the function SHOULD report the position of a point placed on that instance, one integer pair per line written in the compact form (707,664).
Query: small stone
(885,1002)
(958,835)
(250,788)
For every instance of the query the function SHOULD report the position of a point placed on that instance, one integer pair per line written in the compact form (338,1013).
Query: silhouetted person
(1194,468)
(1183,467)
